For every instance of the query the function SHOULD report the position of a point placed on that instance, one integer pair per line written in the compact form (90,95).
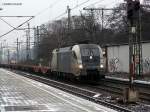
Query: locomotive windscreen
(90,52)
(90,56)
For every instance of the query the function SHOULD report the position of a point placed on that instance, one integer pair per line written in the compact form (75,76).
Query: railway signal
(130,9)
(133,16)
(136,5)
(133,8)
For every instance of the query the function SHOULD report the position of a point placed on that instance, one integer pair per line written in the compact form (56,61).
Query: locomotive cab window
(74,55)
(90,52)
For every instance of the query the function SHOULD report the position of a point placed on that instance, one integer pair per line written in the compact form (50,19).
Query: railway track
(116,86)
(85,93)
(112,86)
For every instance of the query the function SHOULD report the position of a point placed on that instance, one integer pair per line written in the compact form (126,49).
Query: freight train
(81,61)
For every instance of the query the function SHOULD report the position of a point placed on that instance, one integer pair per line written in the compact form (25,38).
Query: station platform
(20,94)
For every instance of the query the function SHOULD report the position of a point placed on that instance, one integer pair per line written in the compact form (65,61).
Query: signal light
(136,5)
(132,7)
(130,14)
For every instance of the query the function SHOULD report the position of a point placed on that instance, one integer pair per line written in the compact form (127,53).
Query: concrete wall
(118,58)
(146,58)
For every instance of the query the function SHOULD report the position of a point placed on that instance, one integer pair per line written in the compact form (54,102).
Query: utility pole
(92,24)
(17,50)
(28,43)
(69,18)
(35,43)
(135,46)
(8,56)
(103,25)
(18,45)
(69,23)
(133,7)
(38,35)
(131,37)
(91,21)
(1,53)
(102,20)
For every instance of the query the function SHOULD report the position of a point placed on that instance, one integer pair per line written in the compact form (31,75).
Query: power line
(14,16)
(78,5)
(7,23)
(99,2)
(60,15)
(113,3)
(16,27)
(95,3)
(52,5)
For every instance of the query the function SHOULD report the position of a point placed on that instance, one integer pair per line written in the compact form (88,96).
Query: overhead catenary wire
(44,11)
(60,15)
(94,3)
(78,5)
(52,5)
(17,27)
(6,23)
(14,28)
(99,2)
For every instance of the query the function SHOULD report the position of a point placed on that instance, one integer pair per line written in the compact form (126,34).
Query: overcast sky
(43,10)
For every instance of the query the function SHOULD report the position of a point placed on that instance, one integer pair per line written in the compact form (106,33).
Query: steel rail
(143,89)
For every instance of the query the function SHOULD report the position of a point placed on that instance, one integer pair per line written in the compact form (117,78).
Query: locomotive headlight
(80,66)
(91,57)
(101,66)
